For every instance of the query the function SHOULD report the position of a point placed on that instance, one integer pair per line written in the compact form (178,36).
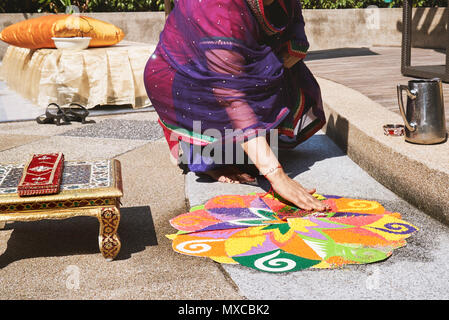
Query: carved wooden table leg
(108,239)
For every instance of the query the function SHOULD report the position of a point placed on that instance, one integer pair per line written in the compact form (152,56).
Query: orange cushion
(36,33)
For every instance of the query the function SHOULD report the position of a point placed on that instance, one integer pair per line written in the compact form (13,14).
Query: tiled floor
(119,129)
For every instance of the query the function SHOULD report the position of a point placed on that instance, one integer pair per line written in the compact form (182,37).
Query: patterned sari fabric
(217,74)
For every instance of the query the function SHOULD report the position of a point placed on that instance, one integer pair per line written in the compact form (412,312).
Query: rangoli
(261,232)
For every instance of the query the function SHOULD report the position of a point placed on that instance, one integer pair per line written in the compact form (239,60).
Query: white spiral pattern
(195,246)
(276,263)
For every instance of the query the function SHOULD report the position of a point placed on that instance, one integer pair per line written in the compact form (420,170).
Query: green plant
(340,4)
(57,6)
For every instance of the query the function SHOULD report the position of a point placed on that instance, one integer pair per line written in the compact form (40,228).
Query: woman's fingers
(316,204)
(306,201)
(303,199)
(312,202)
(311,191)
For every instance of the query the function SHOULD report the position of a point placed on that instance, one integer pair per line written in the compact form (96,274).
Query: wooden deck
(374,72)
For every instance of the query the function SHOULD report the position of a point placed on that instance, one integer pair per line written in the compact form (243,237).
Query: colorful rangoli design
(261,232)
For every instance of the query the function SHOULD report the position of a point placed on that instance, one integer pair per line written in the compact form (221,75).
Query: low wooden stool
(88,188)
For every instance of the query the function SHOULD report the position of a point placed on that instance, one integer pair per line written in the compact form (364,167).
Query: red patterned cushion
(42,175)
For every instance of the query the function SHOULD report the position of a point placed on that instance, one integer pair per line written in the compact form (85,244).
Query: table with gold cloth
(95,76)
(90,188)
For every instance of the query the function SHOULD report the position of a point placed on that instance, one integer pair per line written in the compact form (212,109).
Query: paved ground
(40,260)
(417,271)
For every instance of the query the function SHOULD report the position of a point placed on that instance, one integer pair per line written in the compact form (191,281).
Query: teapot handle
(410,126)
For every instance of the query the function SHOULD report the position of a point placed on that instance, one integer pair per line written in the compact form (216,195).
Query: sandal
(53,113)
(76,112)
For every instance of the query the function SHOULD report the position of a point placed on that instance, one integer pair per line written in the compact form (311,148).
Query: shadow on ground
(424,29)
(338,53)
(77,236)
(294,162)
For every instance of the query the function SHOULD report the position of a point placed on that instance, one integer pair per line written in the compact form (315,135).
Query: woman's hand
(266,161)
(294,192)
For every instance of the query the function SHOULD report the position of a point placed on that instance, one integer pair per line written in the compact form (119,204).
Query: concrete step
(417,173)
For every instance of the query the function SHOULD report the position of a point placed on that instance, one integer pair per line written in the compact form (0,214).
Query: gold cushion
(36,33)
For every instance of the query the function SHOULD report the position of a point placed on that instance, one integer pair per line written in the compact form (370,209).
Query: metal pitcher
(424,118)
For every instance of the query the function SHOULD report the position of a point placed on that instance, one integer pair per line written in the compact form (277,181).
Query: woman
(224,73)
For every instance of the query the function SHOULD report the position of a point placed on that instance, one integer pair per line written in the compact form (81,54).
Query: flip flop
(53,114)
(76,112)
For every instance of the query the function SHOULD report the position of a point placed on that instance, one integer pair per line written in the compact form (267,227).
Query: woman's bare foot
(230,174)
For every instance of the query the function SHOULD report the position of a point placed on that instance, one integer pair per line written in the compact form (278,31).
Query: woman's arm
(266,161)
(258,150)
(295,49)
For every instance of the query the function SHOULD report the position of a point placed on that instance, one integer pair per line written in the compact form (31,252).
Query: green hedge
(158,5)
(339,4)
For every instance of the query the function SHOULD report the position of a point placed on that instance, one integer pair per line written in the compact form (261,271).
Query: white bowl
(75,43)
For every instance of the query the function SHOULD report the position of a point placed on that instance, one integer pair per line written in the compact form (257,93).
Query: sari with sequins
(217,76)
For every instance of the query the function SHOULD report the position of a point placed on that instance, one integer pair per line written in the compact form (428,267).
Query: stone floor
(416,271)
(39,259)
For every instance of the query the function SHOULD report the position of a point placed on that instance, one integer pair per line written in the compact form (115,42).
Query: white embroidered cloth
(95,76)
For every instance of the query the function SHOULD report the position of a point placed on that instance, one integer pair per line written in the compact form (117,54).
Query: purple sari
(217,76)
